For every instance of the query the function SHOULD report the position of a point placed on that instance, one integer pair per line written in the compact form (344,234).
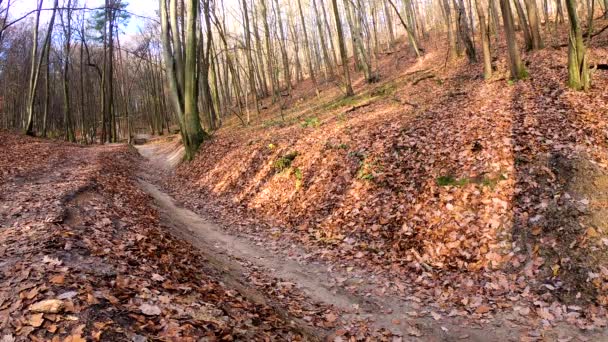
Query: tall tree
(184,96)
(67,34)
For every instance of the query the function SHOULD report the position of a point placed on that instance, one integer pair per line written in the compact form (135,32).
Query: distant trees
(204,61)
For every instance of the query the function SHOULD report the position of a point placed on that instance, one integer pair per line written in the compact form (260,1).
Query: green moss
(299,177)
(485,181)
(451,181)
(284,162)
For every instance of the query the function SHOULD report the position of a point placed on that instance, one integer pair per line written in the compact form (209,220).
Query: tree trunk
(389,24)
(330,34)
(463,30)
(67,30)
(578,70)
(249,59)
(328,64)
(537,42)
(451,36)
(185,106)
(284,56)
(410,33)
(307,48)
(485,40)
(523,23)
(342,48)
(515,64)
(34,72)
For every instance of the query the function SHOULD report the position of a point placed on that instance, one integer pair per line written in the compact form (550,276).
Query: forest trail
(354,296)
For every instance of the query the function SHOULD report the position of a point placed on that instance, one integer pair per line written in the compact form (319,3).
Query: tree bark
(523,23)
(307,48)
(578,69)
(342,48)
(537,41)
(485,39)
(410,33)
(515,64)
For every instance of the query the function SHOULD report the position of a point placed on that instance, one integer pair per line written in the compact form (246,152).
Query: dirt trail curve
(237,255)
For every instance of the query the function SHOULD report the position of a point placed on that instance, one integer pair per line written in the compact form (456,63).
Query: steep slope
(434,175)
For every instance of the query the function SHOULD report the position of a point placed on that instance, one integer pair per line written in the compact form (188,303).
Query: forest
(307,170)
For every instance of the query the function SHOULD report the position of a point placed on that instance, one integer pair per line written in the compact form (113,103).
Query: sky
(146,8)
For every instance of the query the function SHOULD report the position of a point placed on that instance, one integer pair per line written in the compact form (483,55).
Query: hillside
(474,194)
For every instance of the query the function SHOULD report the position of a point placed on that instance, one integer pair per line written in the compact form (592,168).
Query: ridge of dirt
(361,313)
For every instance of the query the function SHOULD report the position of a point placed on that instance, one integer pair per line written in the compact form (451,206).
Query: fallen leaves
(47,306)
(106,262)
(36,320)
(150,310)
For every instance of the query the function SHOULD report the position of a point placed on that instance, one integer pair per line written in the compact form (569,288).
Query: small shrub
(367,170)
(312,122)
(385,90)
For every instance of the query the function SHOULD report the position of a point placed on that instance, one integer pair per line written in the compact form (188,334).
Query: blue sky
(141,7)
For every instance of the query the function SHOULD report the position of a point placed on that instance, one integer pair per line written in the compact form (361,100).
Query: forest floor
(432,206)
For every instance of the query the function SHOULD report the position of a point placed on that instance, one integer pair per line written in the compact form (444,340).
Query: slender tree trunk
(463,30)
(342,47)
(537,41)
(389,24)
(485,39)
(249,59)
(296,47)
(591,8)
(262,68)
(307,48)
(34,72)
(410,33)
(269,53)
(186,106)
(495,19)
(560,12)
(111,108)
(451,36)
(282,43)
(330,34)
(328,64)
(47,96)
(67,30)
(523,23)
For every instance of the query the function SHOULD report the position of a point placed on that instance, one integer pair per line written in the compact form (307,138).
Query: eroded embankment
(448,186)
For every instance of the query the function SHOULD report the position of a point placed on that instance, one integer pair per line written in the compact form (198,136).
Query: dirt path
(354,297)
